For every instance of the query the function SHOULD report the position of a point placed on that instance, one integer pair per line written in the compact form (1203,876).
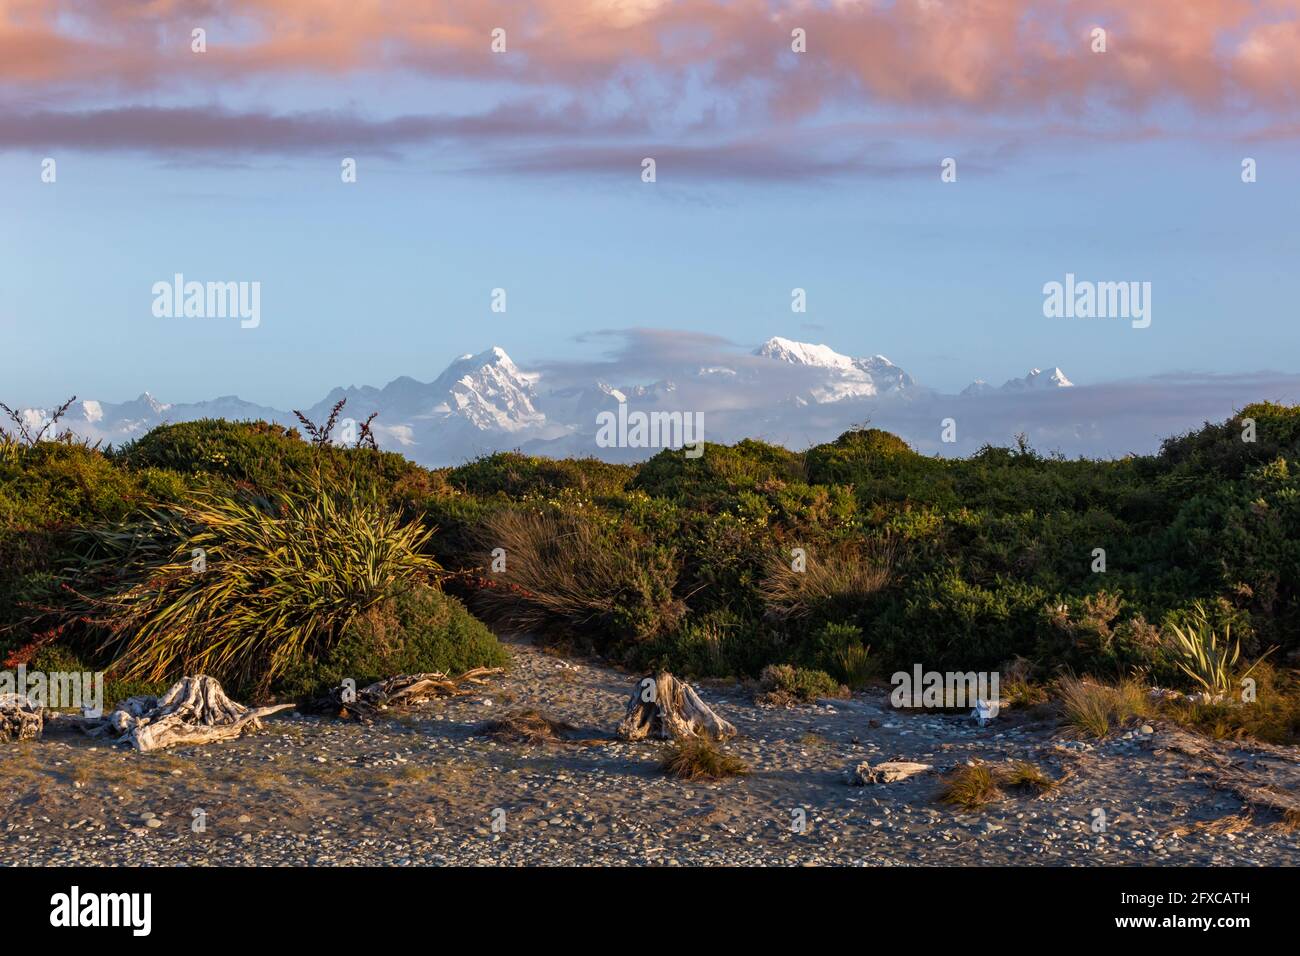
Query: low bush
(783,685)
(418,630)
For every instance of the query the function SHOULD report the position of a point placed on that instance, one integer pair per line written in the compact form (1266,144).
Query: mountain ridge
(484,400)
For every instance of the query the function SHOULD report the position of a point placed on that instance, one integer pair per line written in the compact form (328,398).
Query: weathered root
(533,728)
(1224,773)
(20,719)
(403,690)
(665,708)
(194,710)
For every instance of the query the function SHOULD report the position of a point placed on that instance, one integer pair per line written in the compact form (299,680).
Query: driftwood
(1225,773)
(195,710)
(891,771)
(665,708)
(20,719)
(404,690)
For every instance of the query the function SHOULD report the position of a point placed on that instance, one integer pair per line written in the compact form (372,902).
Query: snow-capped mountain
(844,377)
(1037,380)
(784,390)
(976,388)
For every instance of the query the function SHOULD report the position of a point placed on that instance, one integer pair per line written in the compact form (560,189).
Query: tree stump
(195,710)
(665,708)
(20,719)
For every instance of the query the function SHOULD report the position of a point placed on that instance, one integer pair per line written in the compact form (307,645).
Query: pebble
(419,788)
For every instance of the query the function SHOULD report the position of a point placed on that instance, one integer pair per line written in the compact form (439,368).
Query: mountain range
(484,402)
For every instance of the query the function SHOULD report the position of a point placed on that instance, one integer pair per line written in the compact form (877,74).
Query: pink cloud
(974,53)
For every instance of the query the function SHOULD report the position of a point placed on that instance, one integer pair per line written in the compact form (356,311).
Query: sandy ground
(425,788)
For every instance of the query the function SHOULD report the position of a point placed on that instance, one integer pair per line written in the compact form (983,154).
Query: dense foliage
(754,555)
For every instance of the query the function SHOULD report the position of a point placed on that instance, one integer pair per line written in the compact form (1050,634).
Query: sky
(522,170)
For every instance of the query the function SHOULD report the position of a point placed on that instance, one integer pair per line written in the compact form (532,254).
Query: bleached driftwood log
(195,710)
(891,771)
(403,690)
(20,719)
(665,708)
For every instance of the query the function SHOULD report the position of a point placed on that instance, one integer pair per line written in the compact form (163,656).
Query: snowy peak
(845,377)
(1038,379)
(488,391)
(803,353)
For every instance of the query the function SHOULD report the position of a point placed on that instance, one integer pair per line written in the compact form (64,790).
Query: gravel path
(425,788)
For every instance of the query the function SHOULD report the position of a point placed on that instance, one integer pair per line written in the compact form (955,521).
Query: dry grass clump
(846,575)
(973,786)
(1093,710)
(565,573)
(698,758)
(1026,777)
(1018,686)
(970,787)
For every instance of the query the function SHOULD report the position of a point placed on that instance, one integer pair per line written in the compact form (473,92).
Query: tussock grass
(854,666)
(1094,710)
(1273,716)
(698,758)
(1027,777)
(970,787)
(565,573)
(974,786)
(846,576)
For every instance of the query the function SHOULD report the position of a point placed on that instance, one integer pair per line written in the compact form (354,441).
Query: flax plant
(240,588)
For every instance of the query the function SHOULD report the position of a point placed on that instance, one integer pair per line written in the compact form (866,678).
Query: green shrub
(516,475)
(839,650)
(418,630)
(785,684)
(266,456)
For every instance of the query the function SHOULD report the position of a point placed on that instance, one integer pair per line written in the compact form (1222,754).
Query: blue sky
(392,275)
